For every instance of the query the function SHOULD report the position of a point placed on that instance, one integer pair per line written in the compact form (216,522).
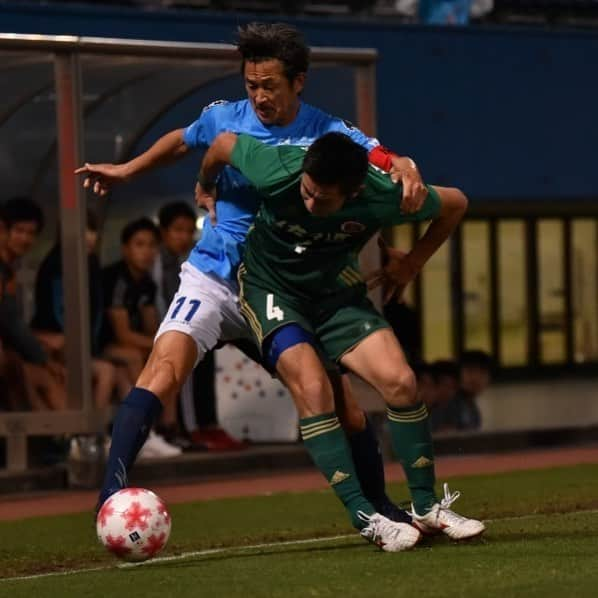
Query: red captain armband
(381,157)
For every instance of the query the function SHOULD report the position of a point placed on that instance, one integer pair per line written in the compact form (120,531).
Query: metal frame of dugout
(81,417)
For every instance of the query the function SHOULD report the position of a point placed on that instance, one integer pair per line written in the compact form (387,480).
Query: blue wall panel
(502,113)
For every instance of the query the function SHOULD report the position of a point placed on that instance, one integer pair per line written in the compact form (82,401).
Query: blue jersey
(219,251)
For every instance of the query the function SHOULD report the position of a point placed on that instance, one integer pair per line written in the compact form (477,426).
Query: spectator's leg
(131,357)
(21,395)
(50,391)
(104,382)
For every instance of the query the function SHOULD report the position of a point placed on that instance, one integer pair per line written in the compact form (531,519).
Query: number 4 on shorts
(273,312)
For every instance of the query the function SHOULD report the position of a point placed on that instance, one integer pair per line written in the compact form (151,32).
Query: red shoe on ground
(216,439)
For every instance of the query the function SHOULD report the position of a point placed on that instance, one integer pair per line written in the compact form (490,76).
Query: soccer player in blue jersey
(205,309)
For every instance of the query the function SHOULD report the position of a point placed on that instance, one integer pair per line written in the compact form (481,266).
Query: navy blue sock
(134,419)
(368,464)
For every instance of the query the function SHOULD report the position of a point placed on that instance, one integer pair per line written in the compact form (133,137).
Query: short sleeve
(201,132)
(344,126)
(150,291)
(259,163)
(117,294)
(429,210)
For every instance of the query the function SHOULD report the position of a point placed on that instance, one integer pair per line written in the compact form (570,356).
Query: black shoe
(392,512)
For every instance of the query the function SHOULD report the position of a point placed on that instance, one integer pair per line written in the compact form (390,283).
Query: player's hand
(396,273)
(101,177)
(206,200)
(405,171)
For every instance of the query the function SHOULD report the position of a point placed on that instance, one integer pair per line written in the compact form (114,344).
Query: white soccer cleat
(156,447)
(388,535)
(442,519)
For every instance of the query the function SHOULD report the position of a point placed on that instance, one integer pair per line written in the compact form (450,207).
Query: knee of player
(311,390)
(160,372)
(315,387)
(399,389)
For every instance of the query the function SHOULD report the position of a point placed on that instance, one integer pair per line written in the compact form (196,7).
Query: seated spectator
(132,317)
(476,374)
(177,230)
(14,391)
(446,378)
(404,321)
(48,318)
(22,222)
(444,12)
(426,384)
(130,297)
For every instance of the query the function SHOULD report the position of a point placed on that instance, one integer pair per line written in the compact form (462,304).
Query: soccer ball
(134,524)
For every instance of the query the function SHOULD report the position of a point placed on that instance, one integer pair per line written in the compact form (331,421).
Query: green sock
(412,442)
(327,444)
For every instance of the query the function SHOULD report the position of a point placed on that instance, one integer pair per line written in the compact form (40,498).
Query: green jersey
(305,256)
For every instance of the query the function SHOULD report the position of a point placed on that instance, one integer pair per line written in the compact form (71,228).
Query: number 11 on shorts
(273,312)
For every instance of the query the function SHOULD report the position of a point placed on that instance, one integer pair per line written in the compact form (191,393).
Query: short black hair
(135,226)
(171,211)
(477,358)
(22,209)
(258,42)
(335,159)
(446,368)
(422,368)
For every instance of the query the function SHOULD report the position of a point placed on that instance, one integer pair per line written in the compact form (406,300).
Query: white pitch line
(178,557)
(187,555)
(228,549)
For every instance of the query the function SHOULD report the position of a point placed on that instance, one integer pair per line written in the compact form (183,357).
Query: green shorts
(338,327)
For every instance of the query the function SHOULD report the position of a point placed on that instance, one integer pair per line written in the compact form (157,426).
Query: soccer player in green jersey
(303,295)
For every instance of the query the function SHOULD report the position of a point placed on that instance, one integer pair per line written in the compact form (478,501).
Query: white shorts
(207,309)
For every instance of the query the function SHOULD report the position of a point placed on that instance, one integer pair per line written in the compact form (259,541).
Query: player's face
(20,237)
(178,236)
(140,251)
(446,388)
(274,98)
(321,200)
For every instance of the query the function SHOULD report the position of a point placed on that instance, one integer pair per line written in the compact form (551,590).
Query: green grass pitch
(541,541)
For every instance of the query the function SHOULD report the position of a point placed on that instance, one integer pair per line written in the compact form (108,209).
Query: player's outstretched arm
(101,177)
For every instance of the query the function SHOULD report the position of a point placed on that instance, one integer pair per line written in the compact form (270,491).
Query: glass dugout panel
(551,291)
(402,239)
(476,285)
(436,306)
(584,266)
(512,306)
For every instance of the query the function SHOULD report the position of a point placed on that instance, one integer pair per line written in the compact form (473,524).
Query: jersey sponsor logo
(307,237)
(214,103)
(352,227)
